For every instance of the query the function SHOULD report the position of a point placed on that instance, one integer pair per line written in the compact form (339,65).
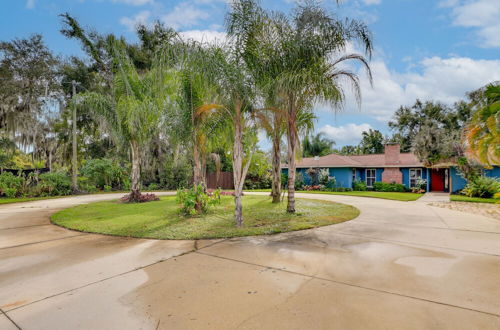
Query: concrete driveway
(399,265)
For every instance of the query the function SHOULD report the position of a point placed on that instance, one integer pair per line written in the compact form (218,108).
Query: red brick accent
(392,174)
(392,152)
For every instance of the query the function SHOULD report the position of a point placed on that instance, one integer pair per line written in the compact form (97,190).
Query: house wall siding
(343,176)
(406,175)
(458,183)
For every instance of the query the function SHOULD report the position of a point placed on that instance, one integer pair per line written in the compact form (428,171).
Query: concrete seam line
(418,244)
(101,280)
(197,249)
(437,215)
(11,320)
(48,224)
(349,284)
(368,222)
(49,240)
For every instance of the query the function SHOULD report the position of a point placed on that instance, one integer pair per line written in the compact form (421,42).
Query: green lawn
(162,220)
(462,198)
(398,196)
(5,200)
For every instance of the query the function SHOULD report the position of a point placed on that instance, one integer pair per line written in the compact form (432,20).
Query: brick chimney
(392,153)
(392,174)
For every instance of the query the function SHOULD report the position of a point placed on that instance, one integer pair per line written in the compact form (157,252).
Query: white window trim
(374,177)
(409,175)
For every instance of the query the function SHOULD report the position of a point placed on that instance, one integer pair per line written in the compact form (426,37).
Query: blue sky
(432,50)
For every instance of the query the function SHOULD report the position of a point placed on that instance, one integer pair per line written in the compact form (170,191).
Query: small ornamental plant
(195,201)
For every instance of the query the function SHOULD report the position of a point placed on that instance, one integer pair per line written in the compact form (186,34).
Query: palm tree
(132,111)
(317,145)
(233,103)
(308,51)
(195,102)
(483,132)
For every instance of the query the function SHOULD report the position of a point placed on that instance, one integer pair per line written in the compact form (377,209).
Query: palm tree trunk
(238,166)
(136,171)
(197,175)
(276,171)
(292,151)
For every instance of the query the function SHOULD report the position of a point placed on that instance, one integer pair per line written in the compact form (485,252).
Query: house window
(370,177)
(353,175)
(415,175)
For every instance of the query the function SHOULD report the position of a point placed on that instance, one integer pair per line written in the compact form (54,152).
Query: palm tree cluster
(167,100)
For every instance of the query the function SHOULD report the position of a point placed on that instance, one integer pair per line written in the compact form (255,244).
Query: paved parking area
(399,265)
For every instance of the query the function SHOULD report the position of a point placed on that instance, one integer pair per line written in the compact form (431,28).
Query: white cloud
(372,2)
(439,79)
(30,4)
(480,14)
(184,15)
(140,18)
(209,36)
(134,2)
(345,134)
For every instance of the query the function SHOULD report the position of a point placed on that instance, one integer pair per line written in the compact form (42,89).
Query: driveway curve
(404,265)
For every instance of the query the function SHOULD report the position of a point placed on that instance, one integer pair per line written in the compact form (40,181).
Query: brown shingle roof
(377,160)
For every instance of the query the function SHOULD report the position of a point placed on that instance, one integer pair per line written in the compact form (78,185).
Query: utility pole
(74,179)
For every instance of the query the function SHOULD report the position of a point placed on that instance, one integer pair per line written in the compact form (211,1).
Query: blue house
(391,166)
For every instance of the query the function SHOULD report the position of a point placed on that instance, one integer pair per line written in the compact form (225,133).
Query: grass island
(162,220)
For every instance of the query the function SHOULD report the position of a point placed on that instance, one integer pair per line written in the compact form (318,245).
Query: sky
(426,49)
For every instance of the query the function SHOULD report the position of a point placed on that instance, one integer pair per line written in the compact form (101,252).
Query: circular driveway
(403,265)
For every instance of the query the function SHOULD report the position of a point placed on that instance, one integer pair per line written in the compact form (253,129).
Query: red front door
(437,179)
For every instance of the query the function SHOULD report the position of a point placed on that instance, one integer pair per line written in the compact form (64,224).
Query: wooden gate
(225,180)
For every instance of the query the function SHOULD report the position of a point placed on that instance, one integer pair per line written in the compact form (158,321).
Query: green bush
(11,185)
(263,182)
(324,176)
(153,186)
(54,184)
(483,187)
(104,172)
(420,186)
(84,185)
(190,198)
(389,187)
(284,180)
(177,174)
(299,181)
(359,185)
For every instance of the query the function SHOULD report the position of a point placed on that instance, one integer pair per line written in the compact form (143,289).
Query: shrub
(85,185)
(389,187)
(420,186)
(331,183)
(11,185)
(257,182)
(107,188)
(104,172)
(483,187)
(196,201)
(359,185)
(299,181)
(54,184)
(313,174)
(324,176)
(284,180)
(250,185)
(153,186)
